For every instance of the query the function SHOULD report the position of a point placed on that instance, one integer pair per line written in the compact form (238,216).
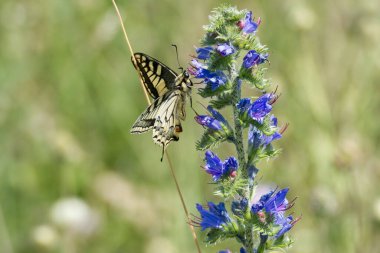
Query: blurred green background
(72,178)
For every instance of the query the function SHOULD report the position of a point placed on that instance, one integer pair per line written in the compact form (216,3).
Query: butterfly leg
(163,152)
(191,106)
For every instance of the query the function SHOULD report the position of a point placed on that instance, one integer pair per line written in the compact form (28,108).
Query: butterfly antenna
(176,52)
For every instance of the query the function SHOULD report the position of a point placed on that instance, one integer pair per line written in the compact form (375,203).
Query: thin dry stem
(166,152)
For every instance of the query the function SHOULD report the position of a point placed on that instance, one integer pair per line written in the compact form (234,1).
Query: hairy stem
(261,247)
(238,127)
(239,132)
(249,241)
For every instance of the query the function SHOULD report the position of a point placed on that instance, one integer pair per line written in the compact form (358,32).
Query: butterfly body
(169,91)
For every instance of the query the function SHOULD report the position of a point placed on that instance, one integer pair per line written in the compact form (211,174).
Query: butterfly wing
(157,77)
(163,116)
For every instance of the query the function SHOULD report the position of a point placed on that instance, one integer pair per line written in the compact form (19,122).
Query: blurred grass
(69,94)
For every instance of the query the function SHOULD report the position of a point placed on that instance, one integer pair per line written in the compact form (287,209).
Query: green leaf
(223,16)
(212,138)
(208,92)
(229,188)
(222,100)
(255,77)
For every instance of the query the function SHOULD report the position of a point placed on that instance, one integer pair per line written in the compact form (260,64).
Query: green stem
(238,127)
(240,148)
(239,132)
(261,247)
(249,241)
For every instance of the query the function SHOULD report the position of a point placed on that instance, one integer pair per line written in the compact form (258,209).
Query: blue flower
(218,169)
(286,224)
(212,79)
(248,25)
(208,122)
(215,217)
(244,104)
(277,203)
(258,109)
(255,138)
(261,106)
(267,139)
(238,207)
(204,53)
(215,79)
(252,172)
(198,69)
(255,208)
(242,250)
(215,122)
(216,114)
(214,166)
(225,251)
(225,49)
(231,164)
(254,58)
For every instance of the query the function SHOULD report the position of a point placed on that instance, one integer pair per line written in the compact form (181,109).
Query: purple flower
(198,70)
(204,53)
(225,251)
(231,164)
(216,114)
(267,139)
(277,203)
(255,208)
(214,166)
(286,224)
(225,49)
(218,169)
(212,79)
(215,217)
(254,58)
(248,25)
(215,122)
(238,207)
(258,109)
(208,122)
(244,104)
(255,138)
(261,106)
(252,172)
(215,79)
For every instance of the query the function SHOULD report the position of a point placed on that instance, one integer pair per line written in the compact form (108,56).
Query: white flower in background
(160,244)
(45,236)
(376,209)
(74,215)
(302,17)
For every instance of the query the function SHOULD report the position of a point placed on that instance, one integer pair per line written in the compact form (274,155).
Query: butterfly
(169,91)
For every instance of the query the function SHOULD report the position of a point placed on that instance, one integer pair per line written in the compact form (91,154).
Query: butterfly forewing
(169,91)
(157,77)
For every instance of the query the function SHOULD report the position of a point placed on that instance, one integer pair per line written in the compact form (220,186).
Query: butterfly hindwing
(162,116)
(157,77)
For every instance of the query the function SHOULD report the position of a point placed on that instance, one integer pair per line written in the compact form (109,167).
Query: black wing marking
(157,77)
(161,116)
